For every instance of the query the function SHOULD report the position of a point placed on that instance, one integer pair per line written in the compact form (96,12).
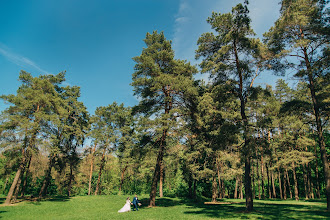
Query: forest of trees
(224,138)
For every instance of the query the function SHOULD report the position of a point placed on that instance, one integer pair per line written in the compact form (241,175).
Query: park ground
(106,207)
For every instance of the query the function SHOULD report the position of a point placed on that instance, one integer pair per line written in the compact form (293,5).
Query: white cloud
(20,60)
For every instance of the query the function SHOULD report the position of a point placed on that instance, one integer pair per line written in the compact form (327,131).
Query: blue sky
(94,41)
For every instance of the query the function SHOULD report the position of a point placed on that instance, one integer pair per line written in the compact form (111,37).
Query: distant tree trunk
(305,181)
(288,179)
(27,172)
(295,182)
(241,196)
(236,186)
(262,178)
(219,179)
(161,178)
(16,179)
(319,127)
(48,172)
(284,186)
(318,194)
(280,183)
(100,173)
(161,151)
(273,185)
(269,187)
(258,179)
(91,171)
(214,189)
(70,179)
(310,182)
(122,176)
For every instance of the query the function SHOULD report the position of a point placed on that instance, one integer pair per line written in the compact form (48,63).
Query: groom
(135,203)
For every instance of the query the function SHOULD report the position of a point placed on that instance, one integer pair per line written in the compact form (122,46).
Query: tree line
(225,138)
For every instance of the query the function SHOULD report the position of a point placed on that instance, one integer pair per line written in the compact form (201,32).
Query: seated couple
(127,206)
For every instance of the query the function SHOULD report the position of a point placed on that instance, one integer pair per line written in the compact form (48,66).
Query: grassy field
(106,207)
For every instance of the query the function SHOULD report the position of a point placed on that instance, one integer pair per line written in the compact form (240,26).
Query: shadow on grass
(236,210)
(2,200)
(37,201)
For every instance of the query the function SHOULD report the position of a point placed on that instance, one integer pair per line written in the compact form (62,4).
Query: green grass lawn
(106,207)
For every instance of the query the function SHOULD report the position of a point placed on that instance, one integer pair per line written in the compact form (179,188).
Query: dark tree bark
(295,181)
(153,191)
(236,186)
(288,179)
(100,173)
(91,172)
(214,189)
(161,179)
(268,184)
(46,181)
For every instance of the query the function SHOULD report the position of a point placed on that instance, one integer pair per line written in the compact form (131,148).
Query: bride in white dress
(127,206)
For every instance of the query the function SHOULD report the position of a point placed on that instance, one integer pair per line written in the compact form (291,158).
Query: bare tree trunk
(280,183)
(269,188)
(317,175)
(236,186)
(46,181)
(258,180)
(296,193)
(16,179)
(161,179)
(153,191)
(219,179)
(262,178)
(305,181)
(288,179)
(26,176)
(241,189)
(284,186)
(310,182)
(122,176)
(91,172)
(214,189)
(273,185)
(100,173)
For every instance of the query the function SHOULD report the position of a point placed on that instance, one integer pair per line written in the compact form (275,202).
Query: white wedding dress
(127,207)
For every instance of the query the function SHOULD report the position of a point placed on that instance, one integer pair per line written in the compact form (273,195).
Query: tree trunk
(305,182)
(27,172)
(284,186)
(122,176)
(273,185)
(296,193)
(241,196)
(219,179)
(13,185)
(46,181)
(235,192)
(153,191)
(16,179)
(91,172)
(100,173)
(161,179)
(214,189)
(258,180)
(318,194)
(70,179)
(269,191)
(280,183)
(262,178)
(289,185)
(319,127)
